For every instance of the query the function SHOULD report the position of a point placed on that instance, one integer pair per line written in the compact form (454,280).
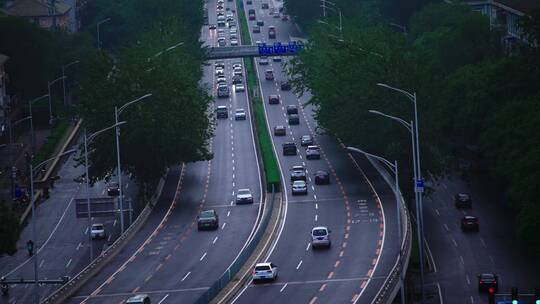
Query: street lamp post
(324,7)
(418,183)
(340,27)
(12,125)
(98,25)
(394,169)
(88,139)
(49,84)
(399,26)
(34,219)
(33,139)
(117,112)
(64,67)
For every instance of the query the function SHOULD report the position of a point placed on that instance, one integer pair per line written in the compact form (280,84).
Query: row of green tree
(152,48)
(137,58)
(474,95)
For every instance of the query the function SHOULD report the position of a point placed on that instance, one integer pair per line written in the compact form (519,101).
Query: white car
(239,87)
(233,30)
(244,197)
(234,42)
(265,271)
(98,231)
(237,65)
(263,60)
(221,79)
(240,114)
(320,237)
(299,187)
(220,71)
(237,71)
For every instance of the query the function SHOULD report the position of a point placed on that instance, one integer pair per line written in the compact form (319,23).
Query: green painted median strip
(271,168)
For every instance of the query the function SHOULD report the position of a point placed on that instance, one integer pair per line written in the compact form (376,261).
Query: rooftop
(34,8)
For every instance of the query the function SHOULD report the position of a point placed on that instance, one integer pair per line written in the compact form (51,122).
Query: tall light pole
(64,67)
(34,219)
(403,28)
(49,84)
(394,169)
(418,183)
(117,112)
(324,7)
(33,139)
(12,125)
(98,25)
(88,139)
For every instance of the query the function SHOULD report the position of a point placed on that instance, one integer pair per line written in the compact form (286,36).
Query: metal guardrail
(391,284)
(68,289)
(233,269)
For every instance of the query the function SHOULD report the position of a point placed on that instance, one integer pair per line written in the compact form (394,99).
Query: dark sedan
(294,119)
(113,189)
(208,219)
(470,223)
(463,200)
(273,99)
(322,178)
(285,86)
(292,109)
(487,281)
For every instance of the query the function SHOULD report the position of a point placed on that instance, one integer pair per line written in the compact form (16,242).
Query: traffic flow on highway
(332,225)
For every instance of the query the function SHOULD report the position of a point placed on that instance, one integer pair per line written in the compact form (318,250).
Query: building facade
(45,13)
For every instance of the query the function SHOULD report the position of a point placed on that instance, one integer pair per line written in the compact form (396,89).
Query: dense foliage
(171,126)
(472,96)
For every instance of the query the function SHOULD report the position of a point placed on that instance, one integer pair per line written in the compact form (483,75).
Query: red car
(470,223)
(273,99)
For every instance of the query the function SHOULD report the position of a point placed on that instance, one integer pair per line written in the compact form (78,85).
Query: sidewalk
(13,155)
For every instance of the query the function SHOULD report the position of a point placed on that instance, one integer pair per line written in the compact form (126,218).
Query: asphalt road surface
(169,259)
(62,238)
(360,212)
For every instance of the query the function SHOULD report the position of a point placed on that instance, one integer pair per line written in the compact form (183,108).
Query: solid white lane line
(307,247)
(299,264)
(309,178)
(314,196)
(79,246)
(446,227)
(203,256)
(461,260)
(223,227)
(163,299)
(282,288)
(468,279)
(437,211)
(215,240)
(454,241)
(233,184)
(472,299)
(68,263)
(316,217)
(41,263)
(228,213)
(187,274)
(316,206)
(86,231)
(312,188)
(114,223)
(304,163)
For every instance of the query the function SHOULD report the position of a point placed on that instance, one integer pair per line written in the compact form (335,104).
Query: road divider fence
(244,255)
(392,283)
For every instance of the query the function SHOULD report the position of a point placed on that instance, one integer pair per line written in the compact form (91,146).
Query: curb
(243,276)
(74,284)
(391,286)
(49,171)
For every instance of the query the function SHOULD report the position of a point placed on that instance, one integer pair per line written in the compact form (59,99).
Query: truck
(271,32)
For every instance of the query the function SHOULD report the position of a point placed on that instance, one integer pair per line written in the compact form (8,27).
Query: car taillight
(481,282)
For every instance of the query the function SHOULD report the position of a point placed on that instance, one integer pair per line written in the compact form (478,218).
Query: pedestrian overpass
(262,49)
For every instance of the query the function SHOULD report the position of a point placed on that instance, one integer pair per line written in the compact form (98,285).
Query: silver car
(240,114)
(97,231)
(244,197)
(299,187)
(320,237)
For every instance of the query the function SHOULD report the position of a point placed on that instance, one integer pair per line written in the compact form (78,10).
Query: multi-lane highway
(357,209)
(169,259)
(62,239)
(459,257)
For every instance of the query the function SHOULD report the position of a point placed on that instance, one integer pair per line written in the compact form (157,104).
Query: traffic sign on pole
(419,185)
